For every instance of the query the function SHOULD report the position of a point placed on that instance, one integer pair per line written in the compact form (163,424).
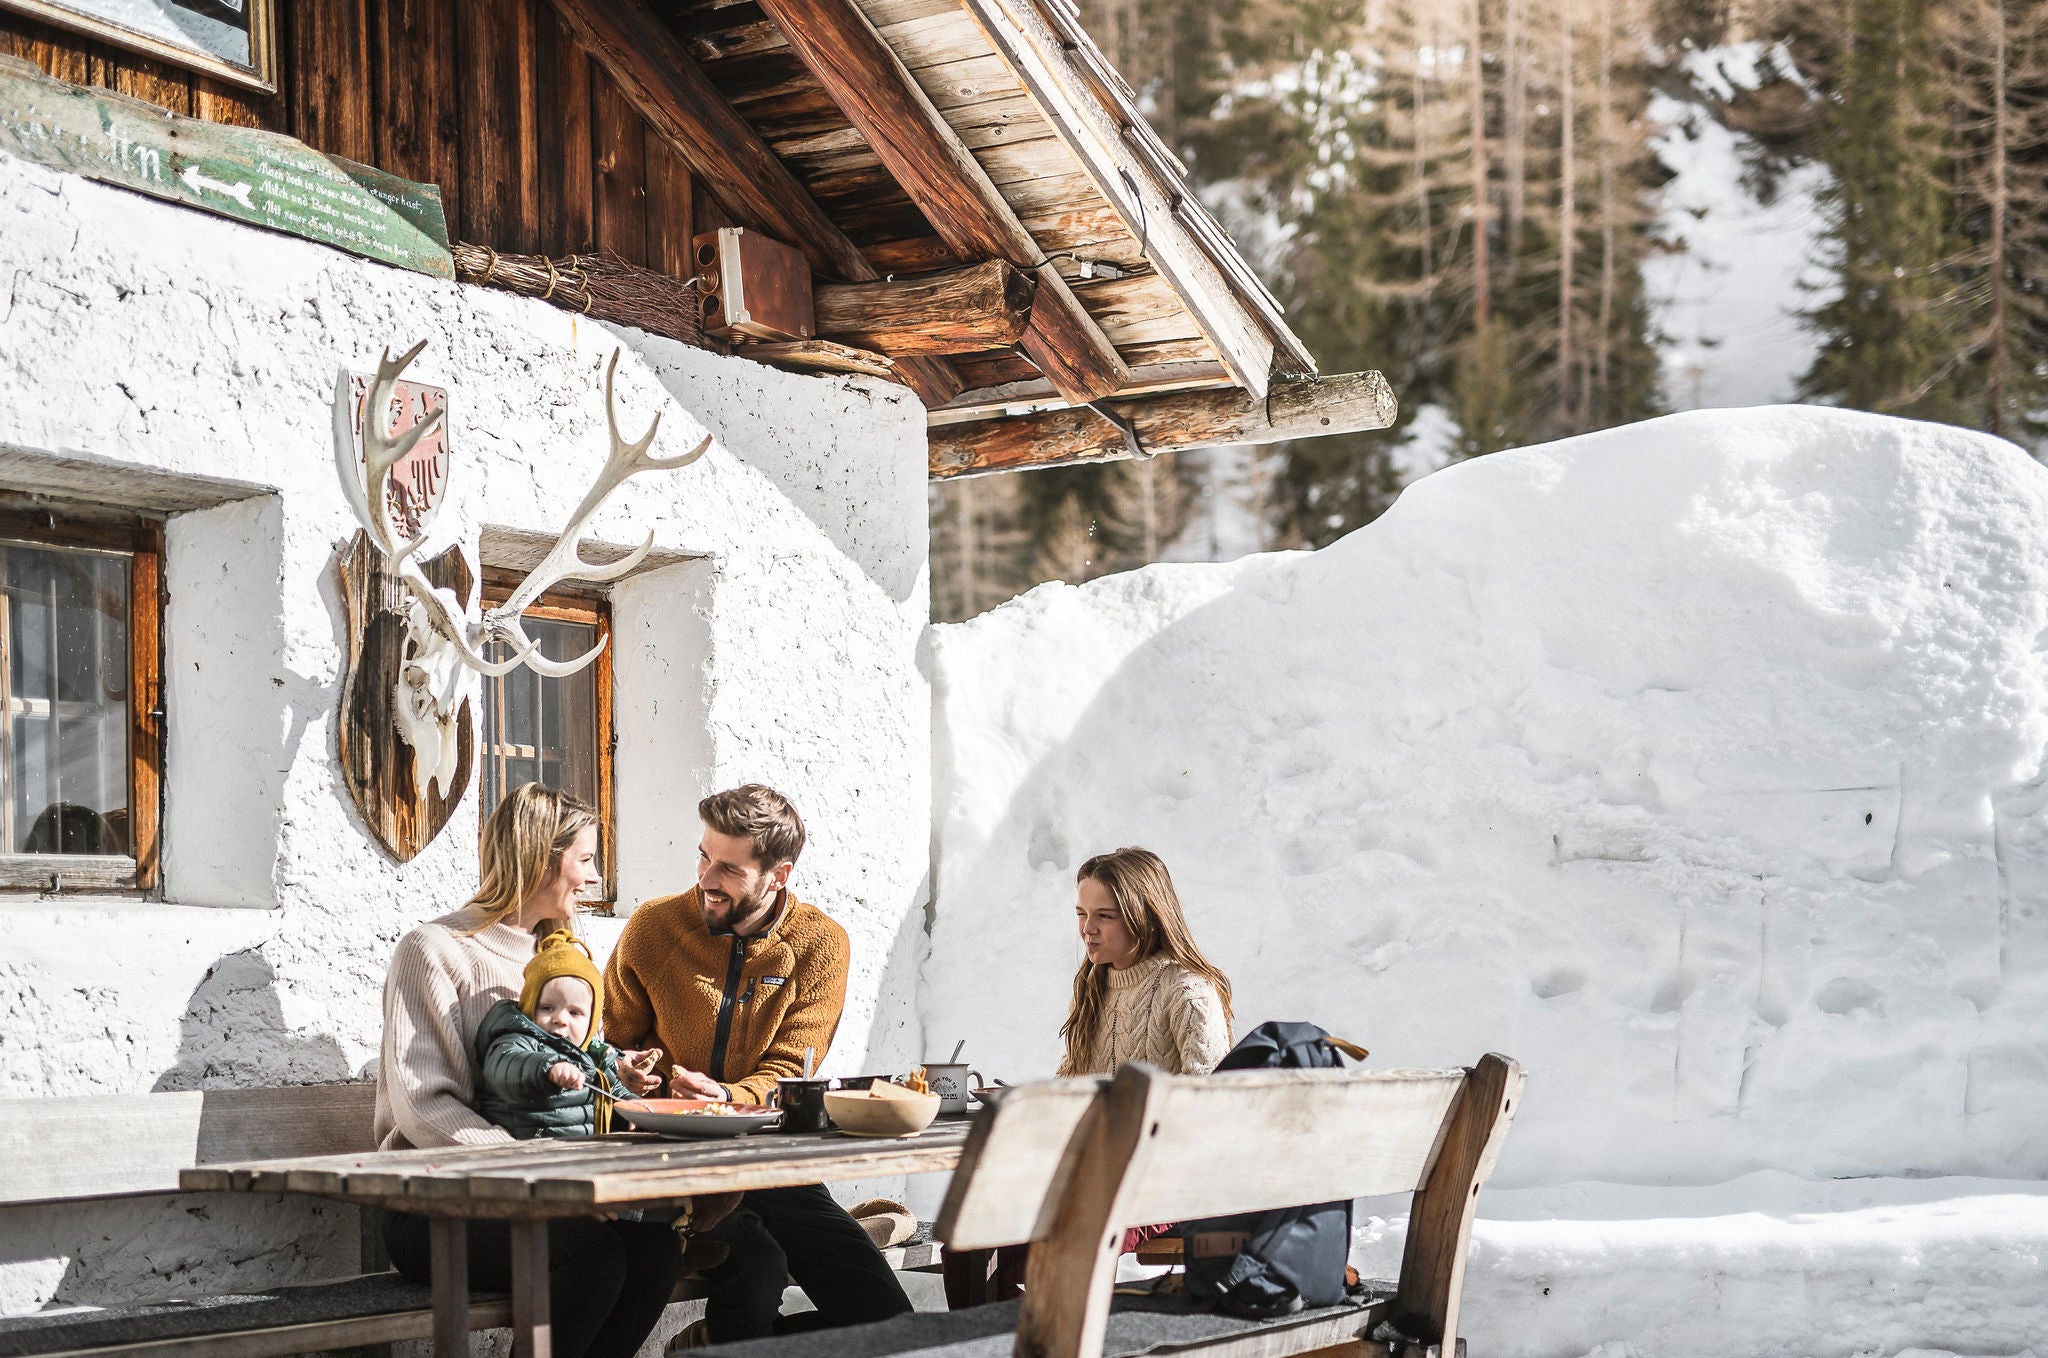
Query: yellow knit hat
(561,953)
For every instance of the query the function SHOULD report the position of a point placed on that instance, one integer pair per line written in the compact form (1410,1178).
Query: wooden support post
(448,1252)
(1306,408)
(725,153)
(532,1331)
(840,47)
(1072,1270)
(1440,1222)
(961,311)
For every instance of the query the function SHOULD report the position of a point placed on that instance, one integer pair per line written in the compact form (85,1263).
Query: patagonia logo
(774,980)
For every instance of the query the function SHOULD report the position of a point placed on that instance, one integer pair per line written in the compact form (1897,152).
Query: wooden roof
(1058,133)
(1073,300)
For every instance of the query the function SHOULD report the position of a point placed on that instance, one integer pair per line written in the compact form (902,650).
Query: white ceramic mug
(952,1084)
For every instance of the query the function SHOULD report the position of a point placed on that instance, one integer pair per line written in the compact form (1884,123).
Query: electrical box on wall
(753,287)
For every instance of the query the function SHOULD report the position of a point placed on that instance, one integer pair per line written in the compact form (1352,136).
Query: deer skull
(445,648)
(433,683)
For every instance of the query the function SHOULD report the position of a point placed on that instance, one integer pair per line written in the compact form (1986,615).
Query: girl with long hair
(607,1280)
(1144,992)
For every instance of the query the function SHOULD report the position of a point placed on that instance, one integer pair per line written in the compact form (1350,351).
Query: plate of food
(694,1118)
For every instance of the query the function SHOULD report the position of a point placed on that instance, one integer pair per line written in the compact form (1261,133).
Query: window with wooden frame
(81,694)
(553,731)
(232,40)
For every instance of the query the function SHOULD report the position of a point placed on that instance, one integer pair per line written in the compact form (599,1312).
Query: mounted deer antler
(564,560)
(445,648)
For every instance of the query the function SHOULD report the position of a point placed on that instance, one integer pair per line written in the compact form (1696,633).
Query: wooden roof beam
(1297,409)
(841,49)
(667,88)
(1109,135)
(961,311)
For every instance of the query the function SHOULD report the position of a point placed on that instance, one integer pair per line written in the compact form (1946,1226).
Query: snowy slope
(1726,294)
(1696,764)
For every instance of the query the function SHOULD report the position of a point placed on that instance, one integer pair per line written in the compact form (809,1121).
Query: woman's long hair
(1138,882)
(522,842)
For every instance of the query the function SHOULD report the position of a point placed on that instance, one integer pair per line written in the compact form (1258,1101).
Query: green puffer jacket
(514,1055)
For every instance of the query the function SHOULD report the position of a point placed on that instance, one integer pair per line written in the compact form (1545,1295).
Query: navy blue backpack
(1263,1264)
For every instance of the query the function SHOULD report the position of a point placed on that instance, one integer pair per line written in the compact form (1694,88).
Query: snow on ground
(1697,764)
(1725,298)
(1766,1266)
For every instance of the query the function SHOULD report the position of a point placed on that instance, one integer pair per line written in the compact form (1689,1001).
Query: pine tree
(1997,56)
(1890,338)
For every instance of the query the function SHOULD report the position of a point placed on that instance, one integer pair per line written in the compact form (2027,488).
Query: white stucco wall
(779,644)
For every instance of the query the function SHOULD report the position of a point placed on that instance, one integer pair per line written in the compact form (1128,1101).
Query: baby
(541,1067)
(540,1062)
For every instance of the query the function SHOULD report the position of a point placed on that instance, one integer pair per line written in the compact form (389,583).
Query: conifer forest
(1476,197)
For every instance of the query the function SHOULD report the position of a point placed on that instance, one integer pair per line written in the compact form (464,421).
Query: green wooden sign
(252,176)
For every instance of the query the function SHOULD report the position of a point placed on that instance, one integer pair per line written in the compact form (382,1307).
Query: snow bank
(1764,1267)
(1697,765)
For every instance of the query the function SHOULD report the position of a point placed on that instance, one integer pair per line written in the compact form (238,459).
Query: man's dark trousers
(802,1234)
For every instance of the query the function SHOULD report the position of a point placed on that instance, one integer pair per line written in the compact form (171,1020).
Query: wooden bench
(102,1148)
(1069,1165)
(108,1147)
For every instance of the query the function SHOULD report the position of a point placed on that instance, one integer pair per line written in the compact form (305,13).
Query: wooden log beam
(1303,408)
(841,49)
(819,355)
(961,311)
(668,89)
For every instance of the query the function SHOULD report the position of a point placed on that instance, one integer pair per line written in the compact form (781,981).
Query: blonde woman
(1145,992)
(607,1280)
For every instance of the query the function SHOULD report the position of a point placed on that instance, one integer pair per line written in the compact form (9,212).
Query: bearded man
(733,979)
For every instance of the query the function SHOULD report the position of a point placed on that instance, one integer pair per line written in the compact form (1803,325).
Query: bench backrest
(112,1145)
(1155,1147)
(1254,1139)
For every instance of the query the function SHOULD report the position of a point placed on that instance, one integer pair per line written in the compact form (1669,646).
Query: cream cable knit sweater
(441,982)
(1160,1012)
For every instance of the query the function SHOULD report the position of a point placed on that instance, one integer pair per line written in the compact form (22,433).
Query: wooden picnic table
(526,1183)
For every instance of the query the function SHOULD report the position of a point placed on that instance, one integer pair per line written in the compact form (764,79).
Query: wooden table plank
(731,1167)
(305,1171)
(558,1177)
(885,1158)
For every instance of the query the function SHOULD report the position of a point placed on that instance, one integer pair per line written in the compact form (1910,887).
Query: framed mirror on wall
(233,40)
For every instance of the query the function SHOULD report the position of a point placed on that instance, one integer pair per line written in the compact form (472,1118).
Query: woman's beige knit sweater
(1159,1012)
(443,978)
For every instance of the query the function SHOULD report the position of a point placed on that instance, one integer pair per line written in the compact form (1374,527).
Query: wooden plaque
(375,762)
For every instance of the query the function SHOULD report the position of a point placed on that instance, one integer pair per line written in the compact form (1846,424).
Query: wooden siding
(532,146)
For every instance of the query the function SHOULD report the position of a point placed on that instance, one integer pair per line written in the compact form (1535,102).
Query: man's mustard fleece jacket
(740,1010)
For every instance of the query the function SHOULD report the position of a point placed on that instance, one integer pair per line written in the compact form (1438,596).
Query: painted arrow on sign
(241,173)
(200,183)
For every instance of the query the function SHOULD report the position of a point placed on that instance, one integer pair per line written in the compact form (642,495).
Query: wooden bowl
(859,1113)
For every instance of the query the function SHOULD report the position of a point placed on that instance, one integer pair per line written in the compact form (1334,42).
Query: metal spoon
(958,1047)
(810,1054)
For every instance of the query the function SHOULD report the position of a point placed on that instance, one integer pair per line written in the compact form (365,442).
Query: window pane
(65,698)
(538,729)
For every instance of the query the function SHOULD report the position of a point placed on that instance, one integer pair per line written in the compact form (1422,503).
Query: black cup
(803,1104)
(859,1081)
